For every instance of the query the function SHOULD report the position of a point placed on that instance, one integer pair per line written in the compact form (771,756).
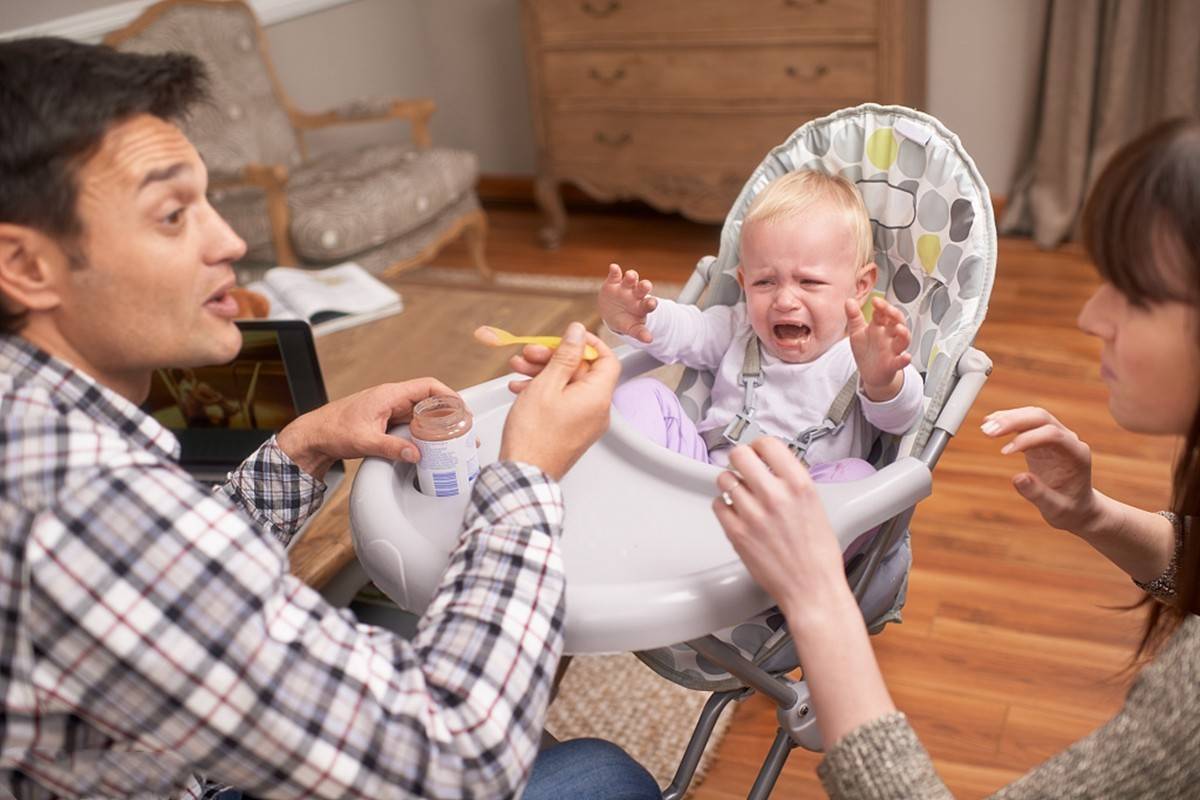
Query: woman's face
(1150,360)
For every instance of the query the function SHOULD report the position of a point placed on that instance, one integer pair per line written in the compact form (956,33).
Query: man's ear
(864,281)
(30,267)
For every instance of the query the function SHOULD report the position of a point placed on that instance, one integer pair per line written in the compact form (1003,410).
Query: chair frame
(272,179)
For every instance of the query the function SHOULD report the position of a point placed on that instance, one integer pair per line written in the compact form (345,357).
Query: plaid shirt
(151,636)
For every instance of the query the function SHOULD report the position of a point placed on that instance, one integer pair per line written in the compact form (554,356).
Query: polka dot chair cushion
(935,247)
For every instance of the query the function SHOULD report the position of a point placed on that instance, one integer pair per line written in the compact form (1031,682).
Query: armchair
(387,206)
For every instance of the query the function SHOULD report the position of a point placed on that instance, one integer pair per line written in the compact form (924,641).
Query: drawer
(654,139)
(581,20)
(772,72)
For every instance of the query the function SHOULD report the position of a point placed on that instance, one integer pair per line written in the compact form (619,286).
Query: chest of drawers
(676,101)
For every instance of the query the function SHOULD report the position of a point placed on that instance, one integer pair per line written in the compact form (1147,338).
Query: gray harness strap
(742,428)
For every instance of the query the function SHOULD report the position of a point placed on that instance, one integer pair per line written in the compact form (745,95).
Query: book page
(345,289)
(279,306)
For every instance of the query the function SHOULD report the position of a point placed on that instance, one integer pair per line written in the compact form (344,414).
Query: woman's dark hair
(1141,226)
(58,99)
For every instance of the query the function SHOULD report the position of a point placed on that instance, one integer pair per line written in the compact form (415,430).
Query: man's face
(153,289)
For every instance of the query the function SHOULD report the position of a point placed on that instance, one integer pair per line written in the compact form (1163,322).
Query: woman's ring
(727,494)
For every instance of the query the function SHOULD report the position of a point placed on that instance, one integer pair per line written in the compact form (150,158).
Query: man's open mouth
(222,303)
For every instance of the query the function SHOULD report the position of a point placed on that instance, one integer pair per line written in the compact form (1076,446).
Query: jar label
(448,468)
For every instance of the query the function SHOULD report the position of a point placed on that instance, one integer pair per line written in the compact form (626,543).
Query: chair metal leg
(781,748)
(695,748)
(750,673)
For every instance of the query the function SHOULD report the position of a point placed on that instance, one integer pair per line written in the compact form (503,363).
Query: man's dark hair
(58,99)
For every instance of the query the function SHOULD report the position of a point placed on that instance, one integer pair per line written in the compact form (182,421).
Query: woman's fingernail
(574,333)
(990,427)
(1008,448)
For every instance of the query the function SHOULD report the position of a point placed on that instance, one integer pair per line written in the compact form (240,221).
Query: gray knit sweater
(1150,749)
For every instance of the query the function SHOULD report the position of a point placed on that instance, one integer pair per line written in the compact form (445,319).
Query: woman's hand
(562,411)
(1059,476)
(775,521)
(624,303)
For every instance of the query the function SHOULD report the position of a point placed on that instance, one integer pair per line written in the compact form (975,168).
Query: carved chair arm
(272,179)
(417,112)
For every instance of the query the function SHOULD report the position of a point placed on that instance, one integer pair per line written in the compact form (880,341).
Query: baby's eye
(764,282)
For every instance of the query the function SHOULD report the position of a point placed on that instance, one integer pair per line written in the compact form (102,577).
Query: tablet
(221,414)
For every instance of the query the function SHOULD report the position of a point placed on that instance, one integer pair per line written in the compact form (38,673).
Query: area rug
(620,699)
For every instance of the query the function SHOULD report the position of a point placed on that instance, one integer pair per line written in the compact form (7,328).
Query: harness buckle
(738,427)
(804,440)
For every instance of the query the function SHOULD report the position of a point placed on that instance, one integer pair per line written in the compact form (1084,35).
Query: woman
(1141,226)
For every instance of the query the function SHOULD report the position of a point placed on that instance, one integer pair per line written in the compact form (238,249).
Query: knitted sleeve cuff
(882,758)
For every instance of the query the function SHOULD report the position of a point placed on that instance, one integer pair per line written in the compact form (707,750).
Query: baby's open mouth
(791,333)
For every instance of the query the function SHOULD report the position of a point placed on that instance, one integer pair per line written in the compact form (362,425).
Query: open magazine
(330,299)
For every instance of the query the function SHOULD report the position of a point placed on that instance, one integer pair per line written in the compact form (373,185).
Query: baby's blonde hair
(794,193)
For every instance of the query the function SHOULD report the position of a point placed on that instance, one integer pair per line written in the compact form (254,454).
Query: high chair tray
(647,563)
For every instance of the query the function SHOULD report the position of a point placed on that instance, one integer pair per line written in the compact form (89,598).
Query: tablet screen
(222,413)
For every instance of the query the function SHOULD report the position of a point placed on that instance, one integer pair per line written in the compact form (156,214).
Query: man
(152,642)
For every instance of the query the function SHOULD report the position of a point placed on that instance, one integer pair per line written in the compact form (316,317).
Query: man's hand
(624,303)
(561,412)
(356,426)
(879,347)
(1059,480)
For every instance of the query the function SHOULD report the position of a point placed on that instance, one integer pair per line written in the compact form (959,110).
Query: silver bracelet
(1164,585)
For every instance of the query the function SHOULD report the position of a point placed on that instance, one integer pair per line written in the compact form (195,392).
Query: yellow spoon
(497,337)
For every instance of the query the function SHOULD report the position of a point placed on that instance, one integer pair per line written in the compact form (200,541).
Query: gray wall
(466,54)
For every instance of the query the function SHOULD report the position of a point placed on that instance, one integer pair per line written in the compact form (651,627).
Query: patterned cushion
(350,201)
(935,247)
(244,122)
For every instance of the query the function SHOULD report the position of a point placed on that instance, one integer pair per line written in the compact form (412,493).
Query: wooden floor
(1011,646)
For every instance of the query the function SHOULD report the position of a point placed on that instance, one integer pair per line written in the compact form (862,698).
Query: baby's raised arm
(625,301)
(879,347)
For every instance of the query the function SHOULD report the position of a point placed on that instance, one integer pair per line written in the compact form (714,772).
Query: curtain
(1110,69)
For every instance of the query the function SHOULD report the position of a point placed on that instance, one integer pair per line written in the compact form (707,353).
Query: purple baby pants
(654,410)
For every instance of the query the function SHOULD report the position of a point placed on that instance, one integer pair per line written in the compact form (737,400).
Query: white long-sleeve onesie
(793,397)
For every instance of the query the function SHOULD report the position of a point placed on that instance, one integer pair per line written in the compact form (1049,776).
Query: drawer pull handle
(620,140)
(818,72)
(600,12)
(803,3)
(608,80)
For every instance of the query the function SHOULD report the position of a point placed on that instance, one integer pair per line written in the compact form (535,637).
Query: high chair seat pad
(647,563)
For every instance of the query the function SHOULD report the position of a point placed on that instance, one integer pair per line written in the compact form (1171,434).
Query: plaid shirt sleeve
(170,622)
(276,493)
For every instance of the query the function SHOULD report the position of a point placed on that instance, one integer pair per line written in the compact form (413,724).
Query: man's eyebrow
(164,174)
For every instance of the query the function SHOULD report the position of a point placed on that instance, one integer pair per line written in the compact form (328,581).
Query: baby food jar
(442,428)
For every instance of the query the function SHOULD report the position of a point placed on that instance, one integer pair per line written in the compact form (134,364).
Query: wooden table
(431,337)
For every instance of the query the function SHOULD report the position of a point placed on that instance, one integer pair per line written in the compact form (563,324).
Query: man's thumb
(567,355)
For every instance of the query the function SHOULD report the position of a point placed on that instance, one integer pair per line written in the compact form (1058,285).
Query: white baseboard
(90,26)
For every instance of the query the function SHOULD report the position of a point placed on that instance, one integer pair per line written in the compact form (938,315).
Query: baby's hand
(879,348)
(624,303)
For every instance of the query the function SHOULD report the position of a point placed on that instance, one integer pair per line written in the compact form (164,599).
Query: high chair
(648,567)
